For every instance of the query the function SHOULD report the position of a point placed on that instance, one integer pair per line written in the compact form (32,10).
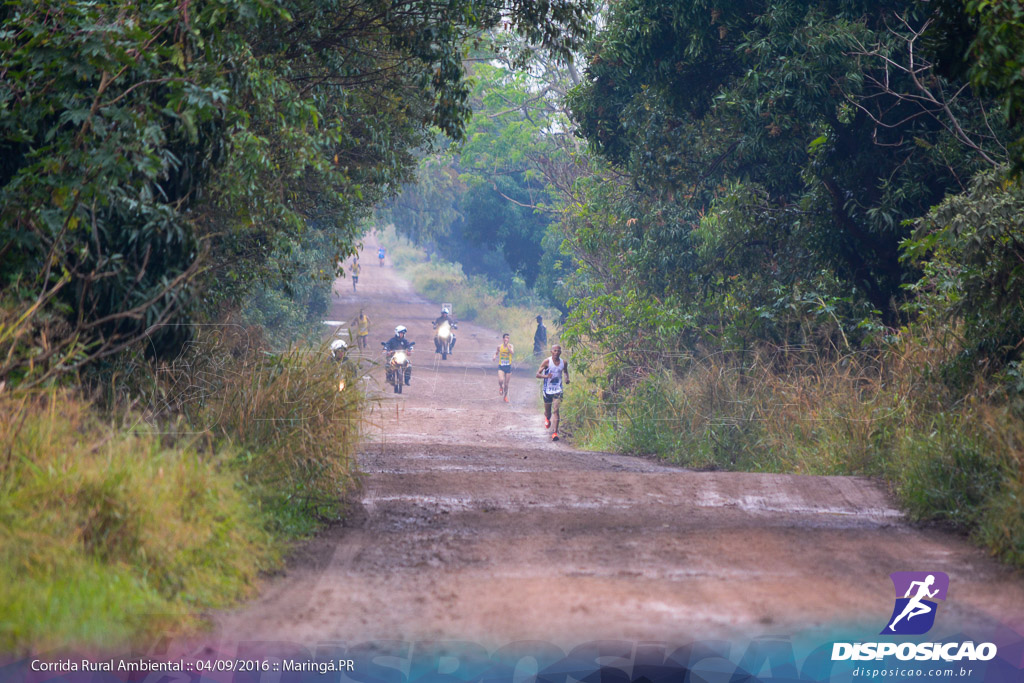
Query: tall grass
(106,534)
(783,410)
(294,432)
(771,412)
(119,522)
(966,467)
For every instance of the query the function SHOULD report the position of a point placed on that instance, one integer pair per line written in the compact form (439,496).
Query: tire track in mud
(471,525)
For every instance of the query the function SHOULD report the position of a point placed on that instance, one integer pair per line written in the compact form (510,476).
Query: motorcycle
(397,365)
(443,339)
(339,349)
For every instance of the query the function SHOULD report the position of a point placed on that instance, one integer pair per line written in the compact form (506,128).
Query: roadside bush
(782,410)
(1001,529)
(766,411)
(107,534)
(971,247)
(944,469)
(965,467)
(114,528)
(294,432)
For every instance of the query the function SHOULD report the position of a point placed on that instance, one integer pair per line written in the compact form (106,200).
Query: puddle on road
(447,503)
(492,469)
(758,504)
(753,505)
(462,504)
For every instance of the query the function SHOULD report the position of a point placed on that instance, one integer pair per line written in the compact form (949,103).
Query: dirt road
(472,525)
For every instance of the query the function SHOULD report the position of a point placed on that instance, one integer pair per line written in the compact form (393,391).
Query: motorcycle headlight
(400,357)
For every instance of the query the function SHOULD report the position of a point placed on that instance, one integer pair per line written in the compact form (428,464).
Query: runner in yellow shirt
(355,274)
(504,355)
(362,324)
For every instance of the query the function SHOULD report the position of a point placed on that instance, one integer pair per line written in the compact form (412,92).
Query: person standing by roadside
(540,337)
(555,373)
(362,324)
(504,356)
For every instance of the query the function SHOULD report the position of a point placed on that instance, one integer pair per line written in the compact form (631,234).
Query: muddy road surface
(472,525)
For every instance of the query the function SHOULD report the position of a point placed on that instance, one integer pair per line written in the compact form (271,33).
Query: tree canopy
(753,172)
(488,201)
(766,163)
(154,157)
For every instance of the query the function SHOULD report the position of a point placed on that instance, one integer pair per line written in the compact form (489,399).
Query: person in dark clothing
(400,342)
(446,316)
(540,337)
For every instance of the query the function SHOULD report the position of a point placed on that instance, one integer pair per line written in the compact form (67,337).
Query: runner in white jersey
(555,373)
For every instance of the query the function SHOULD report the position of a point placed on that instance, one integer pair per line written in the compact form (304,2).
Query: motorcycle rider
(446,316)
(338,350)
(400,342)
(339,347)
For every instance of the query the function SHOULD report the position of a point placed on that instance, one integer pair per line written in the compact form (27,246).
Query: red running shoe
(554,436)
(547,423)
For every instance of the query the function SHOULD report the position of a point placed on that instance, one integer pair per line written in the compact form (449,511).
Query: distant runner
(504,355)
(380,254)
(355,274)
(362,324)
(555,373)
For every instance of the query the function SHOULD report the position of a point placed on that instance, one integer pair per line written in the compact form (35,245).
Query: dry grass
(281,411)
(115,527)
(107,534)
(778,410)
(795,410)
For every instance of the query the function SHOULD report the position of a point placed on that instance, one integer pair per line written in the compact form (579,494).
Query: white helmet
(338,344)
(445,311)
(400,329)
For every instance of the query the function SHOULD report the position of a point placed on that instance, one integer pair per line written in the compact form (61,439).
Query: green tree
(771,155)
(517,147)
(971,247)
(427,207)
(154,157)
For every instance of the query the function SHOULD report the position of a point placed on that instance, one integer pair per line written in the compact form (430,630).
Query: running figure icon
(915,607)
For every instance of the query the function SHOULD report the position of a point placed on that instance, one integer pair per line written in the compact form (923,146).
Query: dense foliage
(754,172)
(972,249)
(490,201)
(158,158)
(803,252)
(775,153)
